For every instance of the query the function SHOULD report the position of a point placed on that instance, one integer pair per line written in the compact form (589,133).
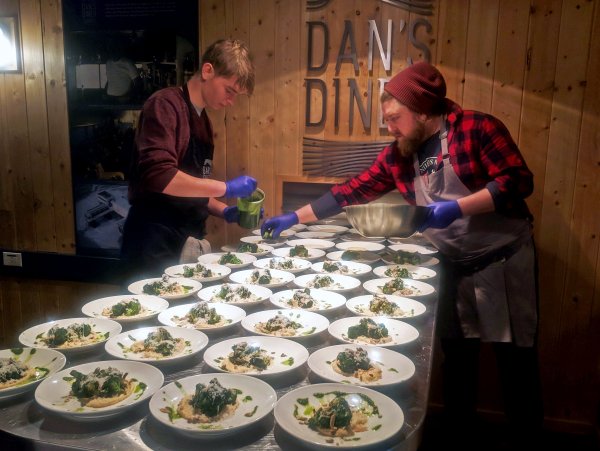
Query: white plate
(44,362)
(287,355)
(395,367)
(353,235)
(105,328)
(311,243)
(213,258)
(400,332)
(359,305)
(324,300)
(425,260)
(190,286)
(277,242)
(312,323)
(354,269)
(262,249)
(151,306)
(256,400)
(209,293)
(299,264)
(341,283)
(313,253)
(298,227)
(425,250)
(380,427)
(360,246)
(285,234)
(316,235)
(368,258)
(419,289)
(195,341)
(279,278)
(337,229)
(54,392)
(219,272)
(416,272)
(231,313)
(415,238)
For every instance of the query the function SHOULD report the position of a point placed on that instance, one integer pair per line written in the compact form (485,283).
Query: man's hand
(441,215)
(232,214)
(241,186)
(273,227)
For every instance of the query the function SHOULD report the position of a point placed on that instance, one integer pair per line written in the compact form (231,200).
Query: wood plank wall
(532,63)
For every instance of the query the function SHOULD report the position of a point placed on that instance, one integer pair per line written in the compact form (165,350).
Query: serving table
(136,429)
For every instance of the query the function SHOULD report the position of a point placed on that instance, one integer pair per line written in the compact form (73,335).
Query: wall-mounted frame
(10,45)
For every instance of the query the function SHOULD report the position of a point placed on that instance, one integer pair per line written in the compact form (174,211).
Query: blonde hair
(231,57)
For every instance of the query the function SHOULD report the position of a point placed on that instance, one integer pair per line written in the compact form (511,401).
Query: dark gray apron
(495,301)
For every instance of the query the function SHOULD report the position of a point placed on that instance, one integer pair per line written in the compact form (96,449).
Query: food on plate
(126,308)
(230,259)
(158,345)
(368,331)
(72,336)
(299,251)
(251,248)
(323,282)
(13,373)
(209,403)
(335,267)
(262,277)
(406,258)
(380,305)
(198,271)
(334,417)
(165,287)
(356,363)
(279,326)
(396,286)
(282,264)
(302,299)
(246,357)
(398,271)
(201,316)
(102,387)
(234,295)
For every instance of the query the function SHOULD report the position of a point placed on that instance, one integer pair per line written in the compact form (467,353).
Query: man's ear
(208,71)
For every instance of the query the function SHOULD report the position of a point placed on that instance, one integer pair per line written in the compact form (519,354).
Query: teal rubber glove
(441,215)
(273,227)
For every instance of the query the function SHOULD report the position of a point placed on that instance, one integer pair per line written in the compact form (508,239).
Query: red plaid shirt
(482,153)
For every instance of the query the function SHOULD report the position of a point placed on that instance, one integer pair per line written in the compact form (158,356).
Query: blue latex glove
(441,215)
(241,186)
(273,227)
(232,214)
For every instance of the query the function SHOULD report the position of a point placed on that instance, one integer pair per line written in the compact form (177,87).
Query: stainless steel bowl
(386,220)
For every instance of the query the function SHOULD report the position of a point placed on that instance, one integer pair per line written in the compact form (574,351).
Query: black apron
(158,225)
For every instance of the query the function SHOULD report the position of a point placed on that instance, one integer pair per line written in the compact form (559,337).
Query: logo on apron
(206,168)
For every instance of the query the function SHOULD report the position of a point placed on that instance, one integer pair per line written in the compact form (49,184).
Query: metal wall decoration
(10,45)
(423,7)
(338,158)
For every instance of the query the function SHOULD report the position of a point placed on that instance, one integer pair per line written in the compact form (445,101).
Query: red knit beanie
(420,87)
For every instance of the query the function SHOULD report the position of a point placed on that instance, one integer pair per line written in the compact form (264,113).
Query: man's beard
(408,145)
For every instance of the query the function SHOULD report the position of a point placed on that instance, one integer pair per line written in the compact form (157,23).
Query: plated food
(299,251)
(408,247)
(166,287)
(310,299)
(159,344)
(293,265)
(256,355)
(204,316)
(295,324)
(311,243)
(126,307)
(365,257)
(398,286)
(286,233)
(70,335)
(198,271)
(256,249)
(405,271)
(233,260)
(21,369)
(369,366)
(332,282)
(334,415)
(379,331)
(341,267)
(205,405)
(98,390)
(401,257)
(264,277)
(385,305)
(235,293)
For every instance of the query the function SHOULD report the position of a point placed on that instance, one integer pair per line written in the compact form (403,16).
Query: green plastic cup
(249,209)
